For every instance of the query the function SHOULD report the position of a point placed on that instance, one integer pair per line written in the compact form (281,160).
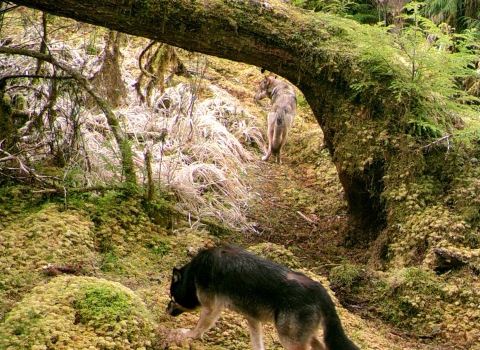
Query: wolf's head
(183,296)
(264,88)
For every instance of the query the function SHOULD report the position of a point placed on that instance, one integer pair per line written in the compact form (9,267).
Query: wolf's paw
(188,333)
(265,158)
(170,337)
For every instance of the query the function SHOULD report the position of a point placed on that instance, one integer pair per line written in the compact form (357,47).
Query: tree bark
(109,81)
(313,51)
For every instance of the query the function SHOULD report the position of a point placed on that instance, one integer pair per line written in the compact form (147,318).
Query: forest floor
(299,204)
(297,209)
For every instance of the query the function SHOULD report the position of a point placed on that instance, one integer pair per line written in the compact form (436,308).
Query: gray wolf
(280,117)
(262,291)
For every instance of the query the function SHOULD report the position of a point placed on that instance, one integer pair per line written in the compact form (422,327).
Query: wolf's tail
(334,336)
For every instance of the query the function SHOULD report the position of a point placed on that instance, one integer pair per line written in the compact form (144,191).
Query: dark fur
(262,291)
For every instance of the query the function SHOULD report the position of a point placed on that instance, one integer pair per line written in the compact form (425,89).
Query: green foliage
(339,7)
(315,5)
(346,276)
(109,262)
(359,10)
(364,17)
(419,300)
(424,127)
(462,14)
(423,80)
(118,217)
(91,46)
(159,248)
(410,293)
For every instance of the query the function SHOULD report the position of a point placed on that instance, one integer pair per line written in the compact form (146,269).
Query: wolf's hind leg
(291,342)
(277,158)
(284,140)
(270,131)
(297,329)
(289,345)
(256,334)
(314,342)
(208,316)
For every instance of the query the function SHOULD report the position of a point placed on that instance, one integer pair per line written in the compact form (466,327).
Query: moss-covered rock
(78,313)
(33,241)
(442,307)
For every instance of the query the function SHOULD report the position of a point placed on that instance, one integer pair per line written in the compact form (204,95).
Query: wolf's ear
(176,275)
(271,77)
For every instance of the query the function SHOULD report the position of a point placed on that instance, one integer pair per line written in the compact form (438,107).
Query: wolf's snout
(172,309)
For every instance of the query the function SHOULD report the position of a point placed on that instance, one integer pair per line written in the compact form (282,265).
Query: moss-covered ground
(92,271)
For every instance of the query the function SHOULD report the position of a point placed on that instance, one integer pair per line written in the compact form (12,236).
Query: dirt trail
(299,204)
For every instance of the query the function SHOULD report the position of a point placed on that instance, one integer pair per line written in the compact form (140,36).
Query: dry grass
(197,133)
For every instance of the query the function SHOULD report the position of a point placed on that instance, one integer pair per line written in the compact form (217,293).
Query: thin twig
(436,142)
(306,218)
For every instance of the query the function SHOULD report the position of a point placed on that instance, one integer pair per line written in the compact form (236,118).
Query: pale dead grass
(197,133)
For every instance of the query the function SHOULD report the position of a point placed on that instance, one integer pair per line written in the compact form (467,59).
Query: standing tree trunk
(108,81)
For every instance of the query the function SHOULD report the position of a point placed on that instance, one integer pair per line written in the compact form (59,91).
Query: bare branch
(122,141)
(140,58)
(436,142)
(303,216)
(34,76)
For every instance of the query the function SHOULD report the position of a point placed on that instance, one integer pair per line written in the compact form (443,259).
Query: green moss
(100,304)
(427,304)
(31,241)
(346,276)
(80,313)
(276,253)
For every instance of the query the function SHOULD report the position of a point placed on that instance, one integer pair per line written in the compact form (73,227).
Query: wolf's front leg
(256,335)
(208,316)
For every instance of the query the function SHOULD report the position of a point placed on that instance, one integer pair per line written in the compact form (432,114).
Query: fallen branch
(55,270)
(306,218)
(436,142)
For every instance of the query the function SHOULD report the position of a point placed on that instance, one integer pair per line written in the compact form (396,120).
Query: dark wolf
(280,117)
(262,291)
